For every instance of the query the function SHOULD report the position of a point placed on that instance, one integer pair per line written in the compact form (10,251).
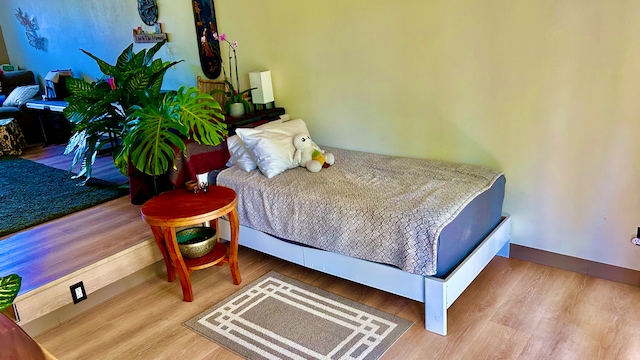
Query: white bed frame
(436,294)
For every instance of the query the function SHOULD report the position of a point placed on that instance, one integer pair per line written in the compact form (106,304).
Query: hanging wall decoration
(148,10)
(209,48)
(31,27)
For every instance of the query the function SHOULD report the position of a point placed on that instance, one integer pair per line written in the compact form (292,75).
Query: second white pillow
(272,146)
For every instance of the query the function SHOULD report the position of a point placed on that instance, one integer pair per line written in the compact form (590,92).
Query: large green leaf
(152,137)
(152,51)
(200,113)
(105,67)
(78,86)
(124,57)
(9,288)
(157,129)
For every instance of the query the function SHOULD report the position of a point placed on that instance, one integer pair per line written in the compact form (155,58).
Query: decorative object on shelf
(262,93)
(203,182)
(196,241)
(149,38)
(148,10)
(31,27)
(140,36)
(127,104)
(205,20)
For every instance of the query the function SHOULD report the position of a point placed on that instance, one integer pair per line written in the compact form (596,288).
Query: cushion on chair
(21,95)
(12,79)
(9,112)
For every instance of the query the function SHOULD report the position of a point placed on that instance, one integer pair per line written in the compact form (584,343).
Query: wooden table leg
(178,261)
(159,236)
(233,246)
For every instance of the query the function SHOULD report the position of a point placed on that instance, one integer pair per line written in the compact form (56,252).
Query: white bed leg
(435,306)
(504,252)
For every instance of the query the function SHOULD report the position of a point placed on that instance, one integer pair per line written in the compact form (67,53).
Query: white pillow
(239,155)
(272,147)
(21,94)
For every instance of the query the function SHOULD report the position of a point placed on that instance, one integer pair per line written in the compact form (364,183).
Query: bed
(407,200)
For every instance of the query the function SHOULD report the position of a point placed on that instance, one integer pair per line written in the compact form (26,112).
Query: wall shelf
(149,38)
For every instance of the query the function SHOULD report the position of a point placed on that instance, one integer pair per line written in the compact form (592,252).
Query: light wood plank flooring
(57,248)
(52,155)
(513,310)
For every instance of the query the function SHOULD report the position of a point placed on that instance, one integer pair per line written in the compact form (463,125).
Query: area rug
(32,193)
(276,317)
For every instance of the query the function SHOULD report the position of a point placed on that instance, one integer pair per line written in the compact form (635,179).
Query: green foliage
(234,96)
(9,287)
(155,129)
(99,111)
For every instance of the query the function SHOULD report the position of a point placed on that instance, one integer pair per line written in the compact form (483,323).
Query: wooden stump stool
(11,138)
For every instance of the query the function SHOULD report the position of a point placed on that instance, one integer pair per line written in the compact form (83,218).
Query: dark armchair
(10,80)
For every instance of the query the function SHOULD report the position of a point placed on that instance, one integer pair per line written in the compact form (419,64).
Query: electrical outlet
(77,292)
(635,241)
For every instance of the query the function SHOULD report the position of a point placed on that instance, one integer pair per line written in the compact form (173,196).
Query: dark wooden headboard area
(253,119)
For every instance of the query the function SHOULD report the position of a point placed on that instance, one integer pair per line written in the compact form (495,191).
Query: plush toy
(309,155)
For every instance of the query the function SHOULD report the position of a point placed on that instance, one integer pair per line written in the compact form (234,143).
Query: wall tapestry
(209,48)
(31,26)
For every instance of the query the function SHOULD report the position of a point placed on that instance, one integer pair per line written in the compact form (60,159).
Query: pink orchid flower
(223,37)
(235,43)
(112,83)
(215,36)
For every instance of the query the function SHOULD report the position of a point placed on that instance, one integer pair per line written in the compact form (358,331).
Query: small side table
(179,207)
(55,128)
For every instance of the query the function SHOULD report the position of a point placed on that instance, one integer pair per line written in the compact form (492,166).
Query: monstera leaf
(157,128)
(9,287)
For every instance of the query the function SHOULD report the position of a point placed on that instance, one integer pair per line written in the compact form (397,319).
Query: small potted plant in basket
(237,104)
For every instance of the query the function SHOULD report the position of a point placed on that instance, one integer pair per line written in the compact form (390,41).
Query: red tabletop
(180,207)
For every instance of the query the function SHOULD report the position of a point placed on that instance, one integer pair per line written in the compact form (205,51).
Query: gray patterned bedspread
(374,207)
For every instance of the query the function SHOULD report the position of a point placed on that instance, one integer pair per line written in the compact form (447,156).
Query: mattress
(419,215)
(470,227)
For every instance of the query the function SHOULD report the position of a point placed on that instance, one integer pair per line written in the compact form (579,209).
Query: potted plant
(127,109)
(236,104)
(9,287)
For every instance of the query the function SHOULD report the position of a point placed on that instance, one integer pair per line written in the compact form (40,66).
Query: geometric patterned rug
(276,317)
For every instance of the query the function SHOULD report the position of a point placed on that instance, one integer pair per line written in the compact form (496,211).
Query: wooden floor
(52,155)
(513,310)
(54,249)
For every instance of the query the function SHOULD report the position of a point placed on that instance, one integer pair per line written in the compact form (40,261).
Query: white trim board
(56,294)
(437,294)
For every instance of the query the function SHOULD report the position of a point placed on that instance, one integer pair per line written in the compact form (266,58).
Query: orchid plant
(232,49)
(233,94)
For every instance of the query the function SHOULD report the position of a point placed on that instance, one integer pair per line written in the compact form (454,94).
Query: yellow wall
(547,91)
(4,56)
